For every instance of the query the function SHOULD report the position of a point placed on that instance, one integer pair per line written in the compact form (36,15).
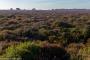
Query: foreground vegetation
(43,50)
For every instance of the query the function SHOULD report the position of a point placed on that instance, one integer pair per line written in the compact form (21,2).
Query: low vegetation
(45,35)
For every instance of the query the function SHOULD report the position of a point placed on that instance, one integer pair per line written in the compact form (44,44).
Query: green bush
(25,51)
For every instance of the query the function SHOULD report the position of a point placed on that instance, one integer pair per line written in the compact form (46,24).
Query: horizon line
(42,9)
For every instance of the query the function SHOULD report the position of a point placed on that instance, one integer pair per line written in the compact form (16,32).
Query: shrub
(85,53)
(25,51)
(73,50)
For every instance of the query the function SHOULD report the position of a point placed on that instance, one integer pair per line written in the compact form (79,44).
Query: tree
(18,9)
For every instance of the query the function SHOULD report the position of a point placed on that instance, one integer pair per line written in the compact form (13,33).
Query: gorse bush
(79,51)
(23,51)
(84,53)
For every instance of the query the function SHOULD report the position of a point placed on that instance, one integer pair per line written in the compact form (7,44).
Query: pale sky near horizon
(44,4)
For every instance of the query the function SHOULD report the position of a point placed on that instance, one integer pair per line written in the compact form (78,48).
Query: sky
(45,4)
